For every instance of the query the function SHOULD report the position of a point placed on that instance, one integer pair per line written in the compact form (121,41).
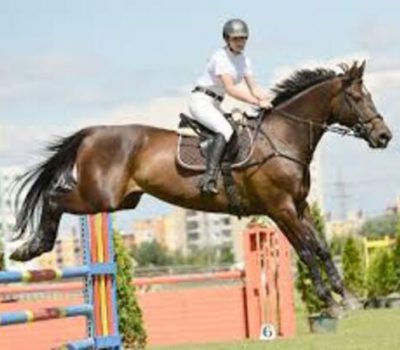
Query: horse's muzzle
(381,140)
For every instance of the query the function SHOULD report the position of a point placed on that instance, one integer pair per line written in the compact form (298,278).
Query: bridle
(358,130)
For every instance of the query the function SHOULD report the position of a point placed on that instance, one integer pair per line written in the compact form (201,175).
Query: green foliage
(155,254)
(396,260)
(2,262)
(130,316)
(303,282)
(151,254)
(380,226)
(318,220)
(210,256)
(337,245)
(226,256)
(381,278)
(353,267)
(306,288)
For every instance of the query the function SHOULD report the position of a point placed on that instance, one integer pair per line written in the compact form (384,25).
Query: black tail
(43,177)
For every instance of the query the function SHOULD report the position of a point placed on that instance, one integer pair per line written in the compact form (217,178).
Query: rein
(359,130)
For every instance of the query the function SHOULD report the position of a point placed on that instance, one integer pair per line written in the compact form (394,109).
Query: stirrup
(207,185)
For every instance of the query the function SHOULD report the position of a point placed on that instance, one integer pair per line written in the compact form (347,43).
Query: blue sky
(68,64)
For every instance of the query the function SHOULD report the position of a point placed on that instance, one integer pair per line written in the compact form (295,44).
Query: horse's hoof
(352,304)
(336,311)
(20,254)
(28,251)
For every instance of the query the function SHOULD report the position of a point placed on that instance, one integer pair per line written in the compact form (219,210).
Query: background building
(347,227)
(67,252)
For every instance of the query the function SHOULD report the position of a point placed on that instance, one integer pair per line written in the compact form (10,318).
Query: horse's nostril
(384,137)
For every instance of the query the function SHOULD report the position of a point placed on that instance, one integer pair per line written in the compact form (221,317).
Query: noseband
(359,129)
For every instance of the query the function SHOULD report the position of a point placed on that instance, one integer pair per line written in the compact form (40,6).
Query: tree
(337,245)
(384,225)
(303,282)
(151,254)
(130,316)
(381,278)
(353,268)
(226,256)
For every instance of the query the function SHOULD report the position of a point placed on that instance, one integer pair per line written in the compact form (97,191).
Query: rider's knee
(227,133)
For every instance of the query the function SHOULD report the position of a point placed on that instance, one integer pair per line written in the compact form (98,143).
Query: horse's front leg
(289,221)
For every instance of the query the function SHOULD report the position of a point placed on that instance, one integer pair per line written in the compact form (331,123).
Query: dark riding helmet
(235,28)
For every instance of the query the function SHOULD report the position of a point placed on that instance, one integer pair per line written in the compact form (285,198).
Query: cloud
(285,71)
(379,36)
(382,75)
(43,77)
(21,143)
(160,111)
(383,80)
(24,144)
(47,67)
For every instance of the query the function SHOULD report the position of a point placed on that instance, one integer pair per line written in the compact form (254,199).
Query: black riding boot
(209,181)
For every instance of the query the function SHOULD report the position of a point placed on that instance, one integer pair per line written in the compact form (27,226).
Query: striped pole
(43,275)
(18,317)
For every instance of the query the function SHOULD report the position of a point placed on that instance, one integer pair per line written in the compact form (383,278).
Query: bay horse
(115,165)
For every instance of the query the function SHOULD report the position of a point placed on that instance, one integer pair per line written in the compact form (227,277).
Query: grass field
(361,330)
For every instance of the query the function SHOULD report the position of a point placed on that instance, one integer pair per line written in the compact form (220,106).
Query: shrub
(353,267)
(303,281)
(130,316)
(381,278)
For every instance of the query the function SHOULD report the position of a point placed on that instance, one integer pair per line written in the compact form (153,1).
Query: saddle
(195,140)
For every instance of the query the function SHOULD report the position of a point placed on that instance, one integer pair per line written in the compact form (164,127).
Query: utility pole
(342,196)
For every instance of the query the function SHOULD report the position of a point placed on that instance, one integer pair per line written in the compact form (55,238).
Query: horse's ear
(353,72)
(361,69)
(349,73)
(344,67)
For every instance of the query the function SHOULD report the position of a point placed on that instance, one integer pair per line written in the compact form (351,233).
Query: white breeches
(207,111)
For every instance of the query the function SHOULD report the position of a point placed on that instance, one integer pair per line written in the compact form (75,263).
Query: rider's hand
(260,94)
(264,103)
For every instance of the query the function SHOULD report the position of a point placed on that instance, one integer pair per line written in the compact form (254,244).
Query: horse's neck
(297,137)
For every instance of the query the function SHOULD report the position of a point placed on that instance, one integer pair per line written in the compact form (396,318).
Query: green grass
(362,330)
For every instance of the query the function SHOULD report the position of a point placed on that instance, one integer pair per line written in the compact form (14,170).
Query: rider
(227,67)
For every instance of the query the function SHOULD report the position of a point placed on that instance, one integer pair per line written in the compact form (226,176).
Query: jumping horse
(108,168)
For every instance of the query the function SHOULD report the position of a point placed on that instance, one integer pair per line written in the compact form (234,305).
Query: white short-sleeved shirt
(223,61)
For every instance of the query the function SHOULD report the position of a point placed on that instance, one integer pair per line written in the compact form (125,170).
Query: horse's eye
(356,97)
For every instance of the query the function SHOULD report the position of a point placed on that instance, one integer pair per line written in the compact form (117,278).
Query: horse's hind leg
(59,202)
(43,240)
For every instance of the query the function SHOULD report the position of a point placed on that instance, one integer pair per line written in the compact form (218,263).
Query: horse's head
(353,107)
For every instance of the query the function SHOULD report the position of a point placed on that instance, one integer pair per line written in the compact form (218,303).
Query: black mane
(300,81)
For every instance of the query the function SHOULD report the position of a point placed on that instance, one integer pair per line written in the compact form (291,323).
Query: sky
(65,65)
